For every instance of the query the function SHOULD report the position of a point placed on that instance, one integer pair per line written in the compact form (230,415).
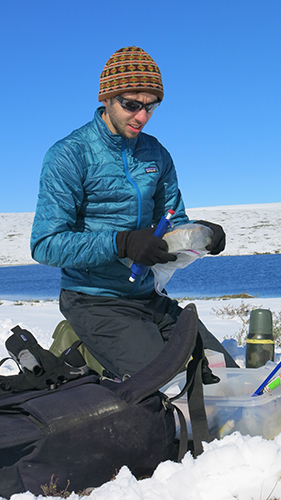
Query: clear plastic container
(230,405)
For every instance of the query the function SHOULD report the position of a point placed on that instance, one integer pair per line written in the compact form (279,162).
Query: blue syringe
(162,226)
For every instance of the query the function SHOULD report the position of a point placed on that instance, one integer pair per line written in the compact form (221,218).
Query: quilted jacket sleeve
(56,239)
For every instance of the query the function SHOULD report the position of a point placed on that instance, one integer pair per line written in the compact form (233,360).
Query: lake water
(257,275)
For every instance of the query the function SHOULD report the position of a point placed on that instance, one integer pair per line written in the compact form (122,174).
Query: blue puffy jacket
(93,184)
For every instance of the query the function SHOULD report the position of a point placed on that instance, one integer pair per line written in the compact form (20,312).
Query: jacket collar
(112,140)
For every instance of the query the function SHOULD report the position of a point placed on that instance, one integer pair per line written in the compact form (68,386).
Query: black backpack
(83,430)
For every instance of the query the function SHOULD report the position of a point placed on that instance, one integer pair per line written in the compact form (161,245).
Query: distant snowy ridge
(250,229)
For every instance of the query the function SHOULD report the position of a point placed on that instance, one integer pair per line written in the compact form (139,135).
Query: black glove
(143,247)
(218,237)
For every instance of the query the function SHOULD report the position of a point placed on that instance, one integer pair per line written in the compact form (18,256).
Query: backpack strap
(211,342)
(184,343)
(195,398)
(9,383)
(4,360)
(170,361)
(183,441)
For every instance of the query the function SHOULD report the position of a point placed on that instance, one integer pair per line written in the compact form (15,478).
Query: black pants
(124,335)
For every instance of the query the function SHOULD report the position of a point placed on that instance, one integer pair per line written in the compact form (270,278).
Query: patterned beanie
(130,69)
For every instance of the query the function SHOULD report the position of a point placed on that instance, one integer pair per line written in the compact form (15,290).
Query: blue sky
(220,62)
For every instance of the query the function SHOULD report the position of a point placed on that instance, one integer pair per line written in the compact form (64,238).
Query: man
(102,189)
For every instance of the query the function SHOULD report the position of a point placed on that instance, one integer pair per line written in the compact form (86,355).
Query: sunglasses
(133,106)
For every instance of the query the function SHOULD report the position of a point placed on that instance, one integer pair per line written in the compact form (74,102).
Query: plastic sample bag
(188,242)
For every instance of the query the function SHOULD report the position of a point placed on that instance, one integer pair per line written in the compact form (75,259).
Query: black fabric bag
(39,368)
(85,430)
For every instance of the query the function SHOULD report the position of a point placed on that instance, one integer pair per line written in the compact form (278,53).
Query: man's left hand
(218,237)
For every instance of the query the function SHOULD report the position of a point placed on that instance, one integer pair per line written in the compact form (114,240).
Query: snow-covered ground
(250,229)
(236,467)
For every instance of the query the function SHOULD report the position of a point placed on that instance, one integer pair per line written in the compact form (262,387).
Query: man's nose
(141,115)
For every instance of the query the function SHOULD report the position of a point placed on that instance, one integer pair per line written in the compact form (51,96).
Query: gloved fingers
(218,237)
(162,257)
(152,243)
(131,243)
(154,253)
(143,247)
(218,248)
(218,241)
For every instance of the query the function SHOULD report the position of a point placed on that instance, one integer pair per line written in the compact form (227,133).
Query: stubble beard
(120,128)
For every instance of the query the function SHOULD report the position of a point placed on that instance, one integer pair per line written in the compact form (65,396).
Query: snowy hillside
(250,229)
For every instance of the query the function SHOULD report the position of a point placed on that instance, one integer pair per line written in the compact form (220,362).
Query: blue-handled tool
(264,387)
(261,388)
(162,226)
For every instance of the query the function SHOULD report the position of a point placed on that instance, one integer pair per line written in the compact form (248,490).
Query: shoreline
(16,264)
(19,265)
(240,296)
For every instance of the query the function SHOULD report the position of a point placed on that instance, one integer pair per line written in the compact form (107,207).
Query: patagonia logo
(150,170)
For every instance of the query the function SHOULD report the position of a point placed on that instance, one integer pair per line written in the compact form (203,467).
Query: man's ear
(105,102)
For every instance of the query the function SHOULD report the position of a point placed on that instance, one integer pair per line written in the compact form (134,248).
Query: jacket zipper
(125,161)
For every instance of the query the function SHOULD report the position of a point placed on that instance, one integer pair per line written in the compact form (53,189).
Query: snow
(241,467)
(250,229)
(237,466)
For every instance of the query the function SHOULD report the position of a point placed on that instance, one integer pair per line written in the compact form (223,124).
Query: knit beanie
(130,69)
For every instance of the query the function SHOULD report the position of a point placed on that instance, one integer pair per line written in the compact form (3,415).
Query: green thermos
(260,340)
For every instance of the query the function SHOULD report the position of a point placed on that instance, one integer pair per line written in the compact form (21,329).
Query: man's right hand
(143,247)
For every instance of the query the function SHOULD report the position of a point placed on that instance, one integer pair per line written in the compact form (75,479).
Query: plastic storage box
(230,405)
